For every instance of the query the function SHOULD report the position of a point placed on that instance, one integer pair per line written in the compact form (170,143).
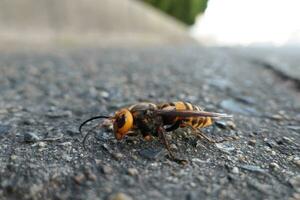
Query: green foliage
(184,10)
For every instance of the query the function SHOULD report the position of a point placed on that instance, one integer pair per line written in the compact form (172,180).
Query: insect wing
(188,113)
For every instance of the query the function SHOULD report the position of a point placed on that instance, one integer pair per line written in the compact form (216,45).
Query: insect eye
(120,121)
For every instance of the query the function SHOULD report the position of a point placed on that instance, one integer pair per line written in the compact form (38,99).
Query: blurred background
(243,22)
(105,22)
(272,28)
(237,22)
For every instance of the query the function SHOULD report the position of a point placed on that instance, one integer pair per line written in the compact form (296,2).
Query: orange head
(123,122)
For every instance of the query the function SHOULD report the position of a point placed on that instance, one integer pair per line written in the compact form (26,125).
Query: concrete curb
(88,22)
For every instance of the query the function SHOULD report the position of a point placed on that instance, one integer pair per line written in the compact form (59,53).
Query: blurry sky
(244,22)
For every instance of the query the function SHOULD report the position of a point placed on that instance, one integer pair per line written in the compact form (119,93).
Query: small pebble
(28,122)
(197,160)
(132,171)
(295,182)
(13,157)
(296,196)
(98,161)
(134,157)
(242,158)
(66,144)
(251,135)
(154,164)
(3,111)
(268,149)
(106,169)
(79,178)
(290,158)
(224,147)
(253,168)
(67,157)
(277,117)
(168,137)
(35,189)
(274,165)
(192,184)
(201,179)
(231,125)
(120,196)
(42,144)
(282,112)
(59,114)
(107,189)
(286,139)
(30,137)
(252,142)
(91,176)
(295,128)
(221,124)
(15,109)
(297,162)
(235,170)
(104,94)
(41,150)
(117,156)
(191,196)
(173,147)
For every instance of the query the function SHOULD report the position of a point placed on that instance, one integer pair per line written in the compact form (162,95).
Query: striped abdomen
(195,122)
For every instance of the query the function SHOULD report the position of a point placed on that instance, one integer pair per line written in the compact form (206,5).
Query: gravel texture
(44,96)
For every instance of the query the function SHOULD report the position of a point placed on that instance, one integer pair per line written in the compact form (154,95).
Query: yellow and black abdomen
(195,122)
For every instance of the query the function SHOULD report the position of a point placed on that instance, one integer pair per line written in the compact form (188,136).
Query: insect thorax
(145,118)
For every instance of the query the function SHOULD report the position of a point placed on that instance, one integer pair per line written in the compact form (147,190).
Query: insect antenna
(91,119)
(91,130)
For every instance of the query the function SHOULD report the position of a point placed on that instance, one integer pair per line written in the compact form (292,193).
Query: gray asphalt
(284,60)
(44,96)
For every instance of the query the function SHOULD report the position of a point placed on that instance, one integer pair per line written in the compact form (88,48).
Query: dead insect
(157,119)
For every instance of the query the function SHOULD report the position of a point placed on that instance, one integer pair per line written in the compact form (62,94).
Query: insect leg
(200,134)
(147,136)
(161,133)
(174,126)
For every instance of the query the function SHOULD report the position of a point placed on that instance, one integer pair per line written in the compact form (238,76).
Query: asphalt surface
(44,96)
